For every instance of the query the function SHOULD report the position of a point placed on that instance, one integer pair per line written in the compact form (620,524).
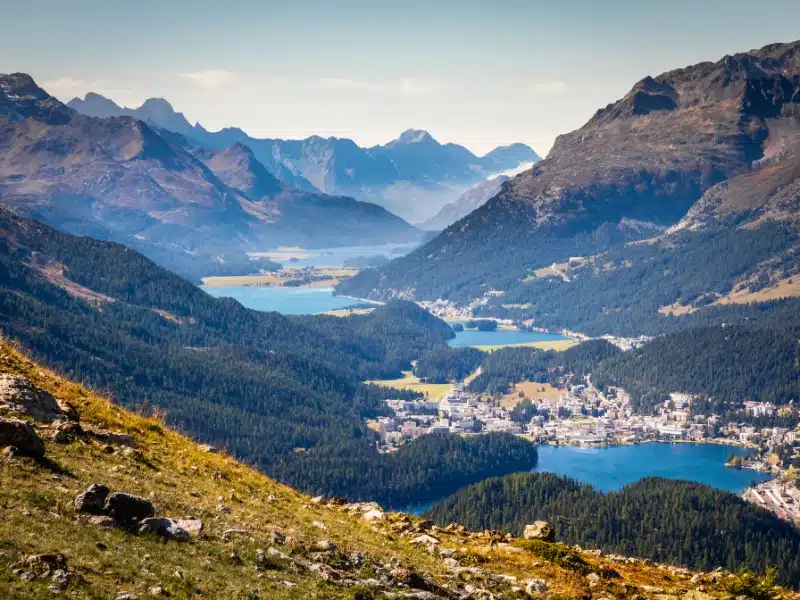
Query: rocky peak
(413,136)
(21,98)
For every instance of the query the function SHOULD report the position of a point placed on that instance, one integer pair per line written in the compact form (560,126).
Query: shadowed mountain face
(714,144)
(413,176)
(195,211)
(473,198)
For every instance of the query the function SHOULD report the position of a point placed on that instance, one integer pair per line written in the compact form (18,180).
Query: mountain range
(194,210)
(412,176)
(701,162)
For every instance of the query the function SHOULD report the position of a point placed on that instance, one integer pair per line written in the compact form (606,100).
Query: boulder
(277,537)
(127,510)
(536,586)
(373,515)
(193,526)
(18,394)
(323,546)
(22,436)
(539,530)
(67,432)
(92,500)
(164,527)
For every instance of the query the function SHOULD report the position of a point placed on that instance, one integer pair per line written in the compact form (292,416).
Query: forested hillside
(664,520)
(442,364)
(729,364)
(268,388)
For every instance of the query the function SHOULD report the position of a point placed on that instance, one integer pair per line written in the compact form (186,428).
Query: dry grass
(557,345)
(786,288)
(531,390)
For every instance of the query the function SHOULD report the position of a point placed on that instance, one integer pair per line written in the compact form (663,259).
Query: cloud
(408,87)
(210,79)
(63,86)
(549,87)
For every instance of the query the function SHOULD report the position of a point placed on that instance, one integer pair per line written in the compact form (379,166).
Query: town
(584,415)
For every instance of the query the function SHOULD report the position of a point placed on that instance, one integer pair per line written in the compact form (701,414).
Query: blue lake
(286,300)
(472,337)
(610,468)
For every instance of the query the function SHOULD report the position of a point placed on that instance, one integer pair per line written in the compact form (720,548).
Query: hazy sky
(480,73)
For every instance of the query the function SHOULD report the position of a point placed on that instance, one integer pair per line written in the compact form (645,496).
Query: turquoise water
(473,337)
(610,468)
(286,300)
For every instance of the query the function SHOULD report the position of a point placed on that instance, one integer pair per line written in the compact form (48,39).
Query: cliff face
(222,530)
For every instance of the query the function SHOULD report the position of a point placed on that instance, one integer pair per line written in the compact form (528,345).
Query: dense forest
(729,364)
(664,520)
(442,364)
(619,291)
(268,388)
(506,366)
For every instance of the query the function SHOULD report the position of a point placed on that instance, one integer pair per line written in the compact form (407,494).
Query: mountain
(223,530)
(701,162)
(412,176)
(473,198)
(259,384)
(657,519)
(118,178)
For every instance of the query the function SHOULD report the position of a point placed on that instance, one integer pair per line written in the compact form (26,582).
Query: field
(433,391)
(543,345)
(531,390)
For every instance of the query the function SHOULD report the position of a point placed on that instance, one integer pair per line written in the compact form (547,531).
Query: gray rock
(192,526)
(92,500)
(164,527)
(67,432)
(536,586)
(127,510)
(539,530)
(22,436)
(323,546)
(277,538)
(102,521)
(18,394)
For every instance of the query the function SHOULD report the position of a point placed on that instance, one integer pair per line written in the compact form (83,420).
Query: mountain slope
(120,179)
(413,176)
(258,539)
(716,139)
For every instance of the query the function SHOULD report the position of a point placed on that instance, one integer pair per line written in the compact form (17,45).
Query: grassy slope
(37,516)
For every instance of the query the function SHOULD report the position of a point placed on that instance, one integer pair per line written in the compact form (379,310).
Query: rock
(164,527)
(102,521)
(127,510)
(125,596)
(536,586)
(67,432)
(319,525)
(323,546)
(426,540)
(229,533)
(317,500)
(19,395)
(539,530)
(374,515)
(277,538)
(22,436)
(274,552)
(110,437)
(193,527)
(157,590)
(92,500)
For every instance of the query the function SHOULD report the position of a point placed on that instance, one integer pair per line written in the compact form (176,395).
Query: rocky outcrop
(539,530)
(128,510)
(19,395)
(21,437)
(93,500)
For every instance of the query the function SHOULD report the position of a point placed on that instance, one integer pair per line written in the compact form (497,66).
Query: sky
(478,73)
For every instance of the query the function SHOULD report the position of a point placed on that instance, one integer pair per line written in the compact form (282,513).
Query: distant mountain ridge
(196,211)
(710,151)
(413,176)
